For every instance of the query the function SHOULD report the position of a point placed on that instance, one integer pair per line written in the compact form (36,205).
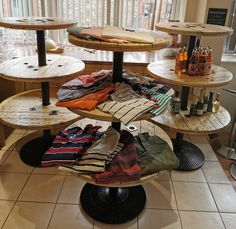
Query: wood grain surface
(36,23)
(25,111)
(26,69)
(210,122)
(164,70)
(193,29)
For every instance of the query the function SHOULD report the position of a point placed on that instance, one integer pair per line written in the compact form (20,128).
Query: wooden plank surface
(25,111)
(208,123)
(164,70)
(163,42)
(36,23)
(26,69)
(193,29)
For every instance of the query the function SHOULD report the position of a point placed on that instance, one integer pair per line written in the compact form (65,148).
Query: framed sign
(216,16)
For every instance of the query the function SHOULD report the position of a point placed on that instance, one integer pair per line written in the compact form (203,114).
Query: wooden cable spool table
(40,68)
(118,202)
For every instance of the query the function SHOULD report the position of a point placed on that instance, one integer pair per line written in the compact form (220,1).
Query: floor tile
(214,172)
(229,220)
(159,219)
(194,176)
(29,215)
(49,170)
(71,189)
(11,185)
(5,208)
(130,225)
(13,163)
(194,196)
(207,151)
(70,216)
(225,197)
(160,195)
(42,188)
(197,220)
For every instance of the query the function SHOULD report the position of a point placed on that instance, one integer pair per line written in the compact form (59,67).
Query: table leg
(112,205)
(189,155)
(32,152)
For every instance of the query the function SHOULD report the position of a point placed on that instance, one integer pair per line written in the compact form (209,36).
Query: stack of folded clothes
(109,156)
(119,35)
(126,101)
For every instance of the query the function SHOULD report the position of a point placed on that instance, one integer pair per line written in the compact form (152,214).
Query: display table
(189,155)
(118,202)
(38,69)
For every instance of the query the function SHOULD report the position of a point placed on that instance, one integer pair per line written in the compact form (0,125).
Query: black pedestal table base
(32,152)
(190,156)
(112,205)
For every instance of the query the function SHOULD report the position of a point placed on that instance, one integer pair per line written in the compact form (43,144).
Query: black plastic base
(112,205)
(190,156)
(32,152)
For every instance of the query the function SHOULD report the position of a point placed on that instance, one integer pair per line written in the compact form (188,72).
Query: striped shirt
(70,144)
(100,153)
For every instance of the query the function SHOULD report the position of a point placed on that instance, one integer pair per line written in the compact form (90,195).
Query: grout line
(56,201)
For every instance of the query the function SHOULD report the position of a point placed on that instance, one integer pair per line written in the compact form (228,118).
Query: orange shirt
(90,101)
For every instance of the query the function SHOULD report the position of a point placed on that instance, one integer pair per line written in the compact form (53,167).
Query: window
(231,40)
(128,13)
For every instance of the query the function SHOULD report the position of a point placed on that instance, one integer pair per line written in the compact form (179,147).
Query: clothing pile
(109,156)
(125,101)
(119,35)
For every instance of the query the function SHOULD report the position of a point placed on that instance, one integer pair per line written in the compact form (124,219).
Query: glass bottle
(210,102)
(209,60)
(217,102)
(185,59)
(200,104)
(205,101)
(193,66)
(179,61)
(202,62)
(177,102)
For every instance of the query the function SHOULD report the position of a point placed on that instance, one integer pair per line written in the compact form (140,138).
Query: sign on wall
(216,16)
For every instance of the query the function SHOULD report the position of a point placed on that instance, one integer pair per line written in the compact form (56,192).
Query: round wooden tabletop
(26,69)
(103,116)
(164,70)
(36,23)
(210,122)
(193,29)
(160,43)
(25,111)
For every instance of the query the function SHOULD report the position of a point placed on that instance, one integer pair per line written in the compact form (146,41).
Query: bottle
(177,103)
(172,105)
(202,62)
(210,102)
(209,60)
(179,61)
(205,101)
(193,66)
(217,102)
(193,106)
(185,59)
(200,104)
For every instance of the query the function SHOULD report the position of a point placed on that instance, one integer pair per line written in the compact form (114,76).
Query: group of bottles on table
(199,63)
(199,105)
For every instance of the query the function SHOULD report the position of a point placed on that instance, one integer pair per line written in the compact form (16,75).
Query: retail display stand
(27,110)
(118,202)
(190,156)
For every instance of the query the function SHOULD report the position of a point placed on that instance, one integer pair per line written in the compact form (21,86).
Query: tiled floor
(48,198)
